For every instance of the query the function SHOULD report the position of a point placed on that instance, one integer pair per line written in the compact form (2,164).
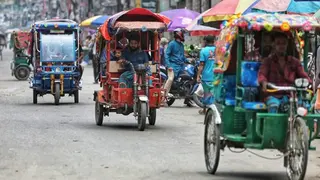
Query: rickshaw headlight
(302,111)
(301,83)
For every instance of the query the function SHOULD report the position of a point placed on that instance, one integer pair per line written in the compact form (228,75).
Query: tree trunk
(205,5)
(189,4)
(196,5)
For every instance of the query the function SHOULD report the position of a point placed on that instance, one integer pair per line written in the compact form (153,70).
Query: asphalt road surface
(45,141)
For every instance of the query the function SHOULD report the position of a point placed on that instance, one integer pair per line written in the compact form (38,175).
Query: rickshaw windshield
(57,47)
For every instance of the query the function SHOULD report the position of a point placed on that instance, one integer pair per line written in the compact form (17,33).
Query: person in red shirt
(281,70)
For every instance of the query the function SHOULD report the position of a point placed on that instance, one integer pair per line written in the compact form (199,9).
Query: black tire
(170,101)
(35,97)
(22,73)
(98,113)
(57,94)
(152,116)
(76,96)
(197,100)
(215,140)
(303,151)
(142,116)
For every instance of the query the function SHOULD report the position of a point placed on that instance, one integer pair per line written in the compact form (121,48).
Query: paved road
(45,141)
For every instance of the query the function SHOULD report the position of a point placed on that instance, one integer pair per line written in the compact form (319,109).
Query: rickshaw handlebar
(281,88)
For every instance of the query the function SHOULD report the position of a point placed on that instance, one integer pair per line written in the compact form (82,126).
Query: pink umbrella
(200,30)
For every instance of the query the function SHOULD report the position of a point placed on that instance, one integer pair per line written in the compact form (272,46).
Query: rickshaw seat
(250,85)
(229,84)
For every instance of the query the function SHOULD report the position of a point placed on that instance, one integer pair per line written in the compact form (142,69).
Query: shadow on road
(247,175)
(252,175)
(122,126)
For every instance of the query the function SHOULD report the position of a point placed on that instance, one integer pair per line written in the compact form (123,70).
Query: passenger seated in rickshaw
(280,69)
(136,56)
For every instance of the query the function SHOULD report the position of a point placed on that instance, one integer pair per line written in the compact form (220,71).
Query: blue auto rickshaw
(54,56)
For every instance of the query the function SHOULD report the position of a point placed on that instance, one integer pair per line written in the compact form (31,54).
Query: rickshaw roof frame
(55,24)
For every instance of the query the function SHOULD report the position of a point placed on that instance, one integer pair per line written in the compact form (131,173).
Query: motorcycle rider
(175,60)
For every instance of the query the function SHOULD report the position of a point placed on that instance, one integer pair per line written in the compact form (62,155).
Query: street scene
(45,141)
(148,89)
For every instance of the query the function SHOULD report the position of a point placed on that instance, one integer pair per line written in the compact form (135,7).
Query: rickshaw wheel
(152,116)
(297,170)
(98,113)
(22,73)
(142,117)
(170,101)
(211,143)
(35,97)
(57,94)
(76,96)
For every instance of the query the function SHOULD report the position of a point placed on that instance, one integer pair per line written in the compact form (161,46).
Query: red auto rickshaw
(144,98)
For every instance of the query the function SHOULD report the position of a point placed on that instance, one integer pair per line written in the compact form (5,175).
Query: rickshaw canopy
(55,24)
(134,19)
(258,22)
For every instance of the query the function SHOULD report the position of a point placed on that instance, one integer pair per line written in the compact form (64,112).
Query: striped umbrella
(225,9)
(94,21)
(288,6)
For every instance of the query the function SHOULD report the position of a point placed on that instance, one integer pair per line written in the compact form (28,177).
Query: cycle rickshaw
(239,118)
(144,98)
(55,53)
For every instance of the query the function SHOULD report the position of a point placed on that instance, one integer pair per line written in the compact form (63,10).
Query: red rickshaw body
(113,35)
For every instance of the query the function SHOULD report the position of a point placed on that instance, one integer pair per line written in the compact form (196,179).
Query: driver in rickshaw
(280,69)
(136,56)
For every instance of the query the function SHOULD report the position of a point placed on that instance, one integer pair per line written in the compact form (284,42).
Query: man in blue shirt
(175,60)
(136,56)
(206,72)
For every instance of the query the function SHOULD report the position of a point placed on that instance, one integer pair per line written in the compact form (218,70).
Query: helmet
(178,34)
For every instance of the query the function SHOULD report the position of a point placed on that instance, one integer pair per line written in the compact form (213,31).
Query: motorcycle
(185,85)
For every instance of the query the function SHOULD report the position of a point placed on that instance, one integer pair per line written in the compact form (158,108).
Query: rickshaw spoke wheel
(297,159)
(211,143)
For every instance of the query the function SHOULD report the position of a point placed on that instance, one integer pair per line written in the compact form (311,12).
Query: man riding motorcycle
(175,60)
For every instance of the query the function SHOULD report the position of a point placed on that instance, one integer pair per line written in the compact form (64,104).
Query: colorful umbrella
(180,18)
(200,30)
(225,9)
(99,21)
(290,6)
(94,21)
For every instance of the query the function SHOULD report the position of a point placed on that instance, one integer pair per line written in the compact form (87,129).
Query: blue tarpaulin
(304,6)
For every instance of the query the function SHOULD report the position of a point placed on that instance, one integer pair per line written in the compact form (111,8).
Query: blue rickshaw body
(55,54)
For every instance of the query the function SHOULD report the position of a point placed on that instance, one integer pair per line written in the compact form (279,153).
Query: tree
(189,4)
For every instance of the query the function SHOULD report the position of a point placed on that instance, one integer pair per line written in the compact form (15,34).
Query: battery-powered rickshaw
(143,98)
(240,118)
(20,66)
(55,53)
